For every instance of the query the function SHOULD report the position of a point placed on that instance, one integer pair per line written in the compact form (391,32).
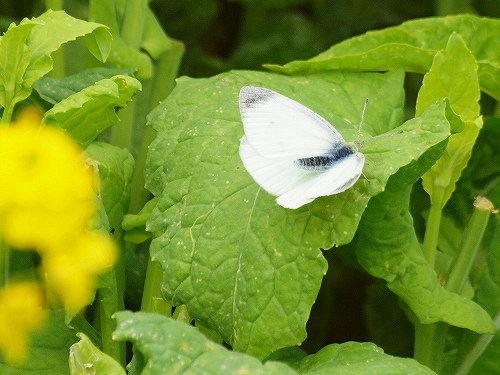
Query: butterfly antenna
(362,117)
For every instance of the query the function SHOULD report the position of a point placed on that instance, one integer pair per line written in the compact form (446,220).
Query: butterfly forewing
(277,126)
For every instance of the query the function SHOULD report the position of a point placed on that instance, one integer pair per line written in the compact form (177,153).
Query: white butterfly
(291,151)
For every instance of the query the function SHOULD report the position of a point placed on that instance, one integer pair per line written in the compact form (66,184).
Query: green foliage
(217,274)
(29,46)
(89,112)
(169,345)
(224,244)
(412,46)
(223,255)
(440,82)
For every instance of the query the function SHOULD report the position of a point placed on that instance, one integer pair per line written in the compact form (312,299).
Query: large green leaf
(169,346)
(388,248)
(172,347)
(243,265)
(87,113)
(411,46)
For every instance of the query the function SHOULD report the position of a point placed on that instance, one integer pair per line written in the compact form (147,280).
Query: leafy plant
(242,264)
(223,256)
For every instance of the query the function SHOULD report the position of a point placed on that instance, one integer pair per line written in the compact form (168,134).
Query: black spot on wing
(323,162)
(251,95)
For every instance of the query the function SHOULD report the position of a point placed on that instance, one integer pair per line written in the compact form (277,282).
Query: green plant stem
(471,240)
(432,234)
(121,133)
(162,84)
(4,263)
(111,347)
(8,110)
(152,300)
(429,344)
(476,351)
(131,32)
(133,22)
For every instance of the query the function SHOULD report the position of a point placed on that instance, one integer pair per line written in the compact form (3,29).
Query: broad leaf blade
(240,262)
(388,248)
(411,46)
(169,344)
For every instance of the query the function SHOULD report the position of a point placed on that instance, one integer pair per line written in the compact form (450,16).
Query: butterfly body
(291,151)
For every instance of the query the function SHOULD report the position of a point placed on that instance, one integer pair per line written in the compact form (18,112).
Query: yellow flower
(45,187)
(71,270)
(21,311)
(46,203)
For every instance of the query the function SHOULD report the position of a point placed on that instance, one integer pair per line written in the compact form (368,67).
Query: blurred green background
(220,35)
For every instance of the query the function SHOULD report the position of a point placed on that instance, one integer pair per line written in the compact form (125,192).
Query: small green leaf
(135,225)
(48,349)
(85,358)
(463,94)
(12,69)
(123,55)
(53,90)
(88,113)
(115,167)
(58,28)
(177,348)
(29,46)
(140,219)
